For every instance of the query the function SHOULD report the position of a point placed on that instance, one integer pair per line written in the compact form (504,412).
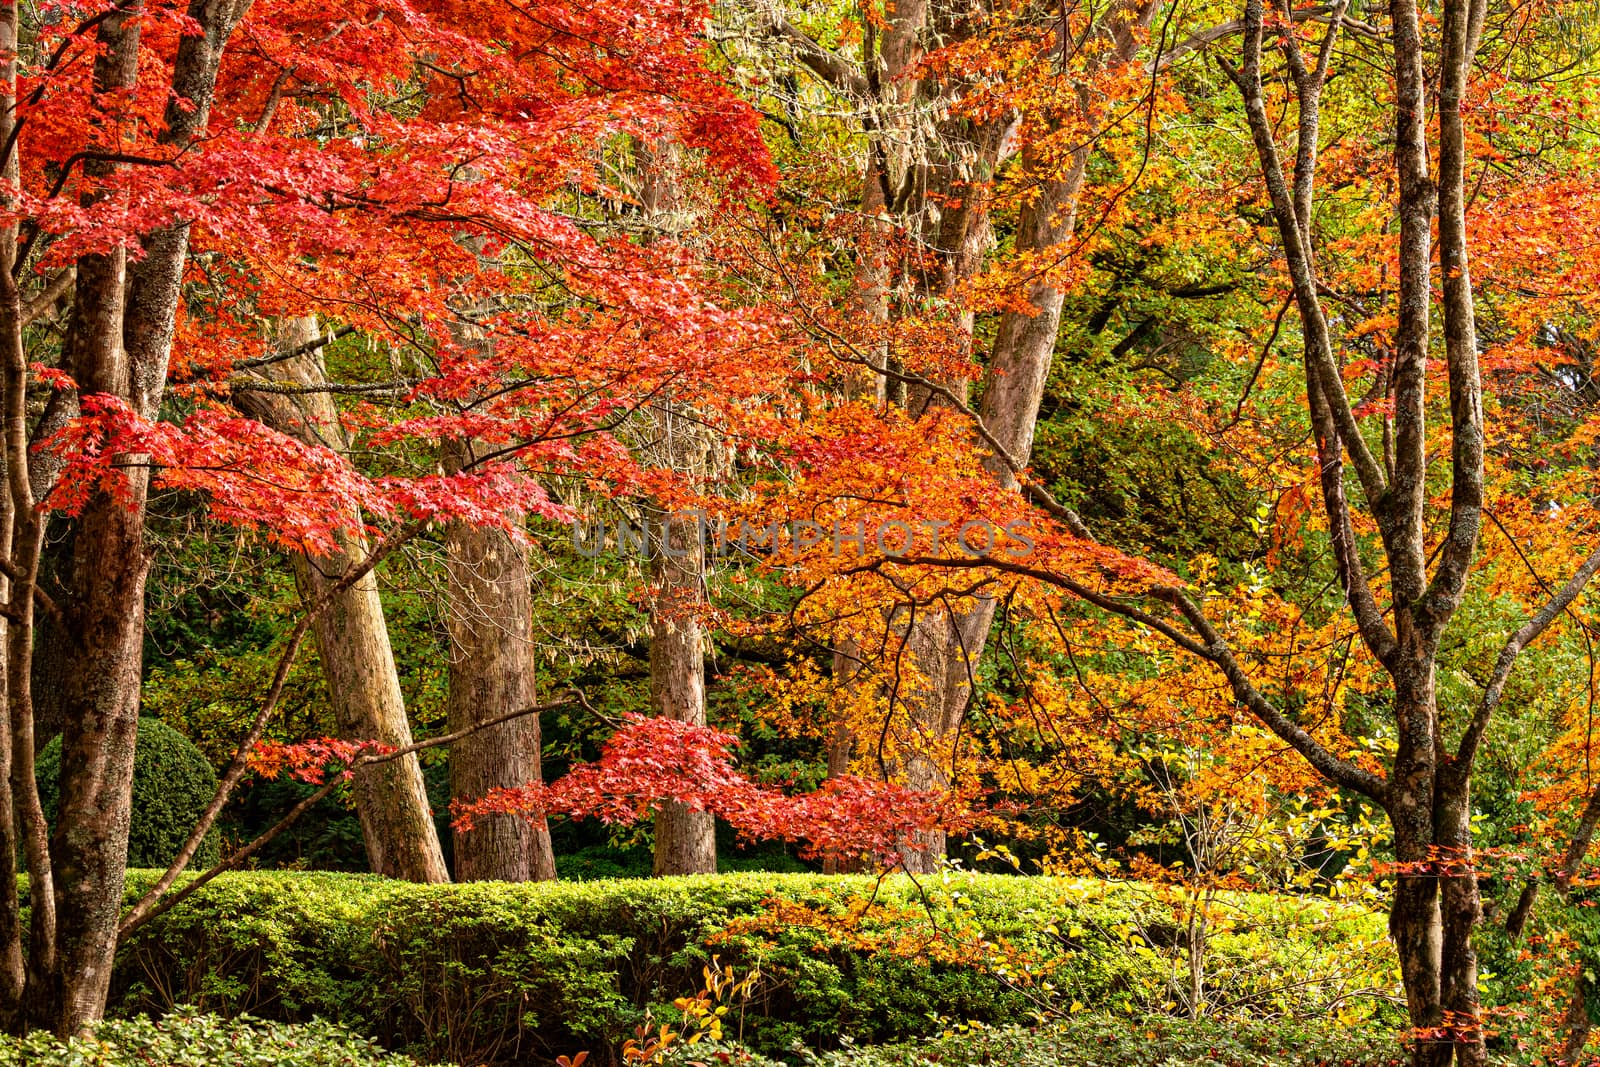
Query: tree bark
(946,643)
(353,645)
(119,341)
(88,850)
(492,673)
(686,840)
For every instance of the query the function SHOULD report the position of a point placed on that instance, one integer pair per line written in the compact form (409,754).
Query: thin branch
(1207,645)
(835,70)
(59,283)
(298,350)
(239,764)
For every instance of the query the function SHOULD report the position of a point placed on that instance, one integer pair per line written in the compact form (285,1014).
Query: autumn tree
(1391,388)
(1002,115)
(178,177)
(1393,505)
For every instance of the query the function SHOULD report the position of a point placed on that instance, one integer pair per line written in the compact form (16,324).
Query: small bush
(190,1040)
(493,972)
(172,784)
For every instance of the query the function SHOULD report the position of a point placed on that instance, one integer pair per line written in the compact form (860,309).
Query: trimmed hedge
(189,1040)
(172,784)
(1107,1041)
(493,972)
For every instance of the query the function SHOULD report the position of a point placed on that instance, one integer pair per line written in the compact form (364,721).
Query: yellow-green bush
(186,1039)
(497,972)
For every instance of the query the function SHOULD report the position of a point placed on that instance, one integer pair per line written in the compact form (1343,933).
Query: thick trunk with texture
(492,674)
(89,846)
(118,344)
(1437,908)
(353,645)
(686,840)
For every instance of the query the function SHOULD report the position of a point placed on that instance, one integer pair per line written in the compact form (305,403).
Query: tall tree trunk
(686,839)
(492,673)
(353,643)
(946,644)
(119,343)
(89,846)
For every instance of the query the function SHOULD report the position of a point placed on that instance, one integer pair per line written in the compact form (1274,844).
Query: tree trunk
(686,841)
(119,341)
(1437,906)
(847,668)
(947,645)
(491,674)
(364,689)
(89,846)
(353,645)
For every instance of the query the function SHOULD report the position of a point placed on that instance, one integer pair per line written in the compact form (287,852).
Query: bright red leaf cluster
(312,761)
(651,761)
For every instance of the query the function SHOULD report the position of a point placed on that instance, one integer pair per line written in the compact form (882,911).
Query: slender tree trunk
(491,674)
(20,821)
(1577,1020)
(353,646)
(686,839)
(847,670)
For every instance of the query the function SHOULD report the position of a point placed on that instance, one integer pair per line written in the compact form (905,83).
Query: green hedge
(1095,1040)
(172,784)
(189,1040)
(494,972)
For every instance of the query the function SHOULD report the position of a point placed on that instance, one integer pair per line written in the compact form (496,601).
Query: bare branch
(135,920)
(1207,645)
(832,68)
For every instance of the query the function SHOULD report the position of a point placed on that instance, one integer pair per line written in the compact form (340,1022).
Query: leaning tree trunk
(368,705)
(353,638)
(491,674)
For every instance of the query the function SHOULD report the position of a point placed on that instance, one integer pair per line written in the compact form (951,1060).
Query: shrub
(172,784)
(190,1040)
(1098,1040)
(493,972)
